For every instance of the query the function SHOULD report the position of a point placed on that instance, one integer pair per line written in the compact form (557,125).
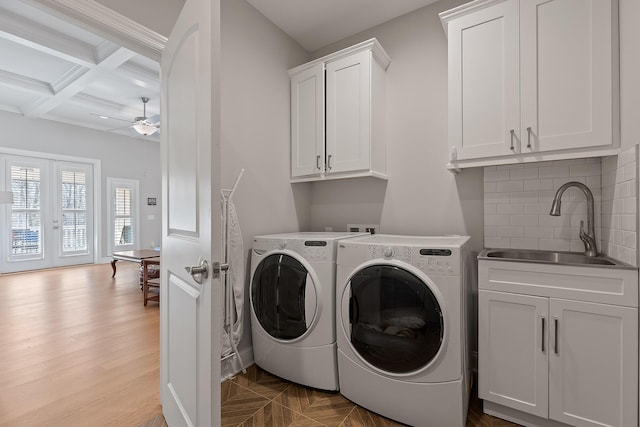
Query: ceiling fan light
(145,129)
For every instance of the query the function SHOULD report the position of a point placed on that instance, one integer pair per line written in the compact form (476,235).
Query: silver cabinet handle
(542,345)
(200,272)
(329,161)
(529,137)
(512,132)
(317,162)
(555,338)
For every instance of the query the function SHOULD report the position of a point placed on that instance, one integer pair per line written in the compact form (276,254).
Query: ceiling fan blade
(155,120)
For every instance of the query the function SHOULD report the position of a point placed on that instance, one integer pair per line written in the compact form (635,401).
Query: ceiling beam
(25,84)
(36,36)
(76,85)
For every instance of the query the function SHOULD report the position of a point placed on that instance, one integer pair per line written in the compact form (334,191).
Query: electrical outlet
(363,228)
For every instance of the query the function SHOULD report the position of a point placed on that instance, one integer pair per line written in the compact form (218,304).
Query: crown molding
(95,17)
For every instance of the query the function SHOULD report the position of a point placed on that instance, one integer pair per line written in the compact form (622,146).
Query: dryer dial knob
(387,252)
(282,244)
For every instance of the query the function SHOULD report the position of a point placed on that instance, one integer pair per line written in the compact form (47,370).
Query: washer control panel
(311,250)
(430,260)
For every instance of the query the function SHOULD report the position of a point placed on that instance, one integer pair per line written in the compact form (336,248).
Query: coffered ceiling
(51,69)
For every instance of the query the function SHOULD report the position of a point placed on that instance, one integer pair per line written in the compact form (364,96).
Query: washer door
(283,296)
(395,319)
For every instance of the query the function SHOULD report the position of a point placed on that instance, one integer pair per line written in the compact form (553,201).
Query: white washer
(293,306)
(401,307)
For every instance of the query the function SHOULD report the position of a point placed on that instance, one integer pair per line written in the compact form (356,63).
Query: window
(124,214)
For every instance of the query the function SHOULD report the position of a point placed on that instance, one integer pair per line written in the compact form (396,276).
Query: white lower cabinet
(550,360)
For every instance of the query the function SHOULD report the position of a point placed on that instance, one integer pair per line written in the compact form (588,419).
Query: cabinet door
(307,122)
(566,62)
(349,113)
(484,99)
(593,369)
(512,351)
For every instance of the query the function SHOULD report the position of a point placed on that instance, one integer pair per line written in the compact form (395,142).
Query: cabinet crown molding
(465,9)
(379,54)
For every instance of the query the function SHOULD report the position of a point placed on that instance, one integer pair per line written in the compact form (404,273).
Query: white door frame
(97,188)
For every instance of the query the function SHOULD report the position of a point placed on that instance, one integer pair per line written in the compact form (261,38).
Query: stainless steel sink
(549,257)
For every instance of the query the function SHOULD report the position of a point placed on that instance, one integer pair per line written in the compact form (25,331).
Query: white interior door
(191,230)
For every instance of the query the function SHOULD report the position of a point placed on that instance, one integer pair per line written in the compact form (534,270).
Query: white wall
(157,15)
(421,196)
(255,127)
(120,156)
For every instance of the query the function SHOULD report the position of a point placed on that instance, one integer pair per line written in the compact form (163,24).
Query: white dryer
(293,306)
(402,317)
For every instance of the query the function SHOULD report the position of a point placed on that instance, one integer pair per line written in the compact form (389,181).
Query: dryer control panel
(430,260)
(311,250)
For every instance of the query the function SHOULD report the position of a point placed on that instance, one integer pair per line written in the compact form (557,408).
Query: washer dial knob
(387,252)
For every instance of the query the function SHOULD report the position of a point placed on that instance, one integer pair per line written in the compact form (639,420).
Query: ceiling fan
(143,125)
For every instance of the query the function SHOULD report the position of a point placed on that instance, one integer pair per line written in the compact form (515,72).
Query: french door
(50,223)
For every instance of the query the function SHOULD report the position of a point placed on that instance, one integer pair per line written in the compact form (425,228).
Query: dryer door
(396,321)
(283,297)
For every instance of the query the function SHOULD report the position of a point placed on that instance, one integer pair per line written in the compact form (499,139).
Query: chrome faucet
(588,237)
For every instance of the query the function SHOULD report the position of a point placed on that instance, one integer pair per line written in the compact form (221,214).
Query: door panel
(484,82)
(566,73)
(513,349)
(307,122)
(349,113)
(73,224)
(190,322)
(594,372)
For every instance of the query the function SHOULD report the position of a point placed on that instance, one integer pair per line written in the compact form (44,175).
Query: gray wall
(421,197)
(120,156)
(255,127)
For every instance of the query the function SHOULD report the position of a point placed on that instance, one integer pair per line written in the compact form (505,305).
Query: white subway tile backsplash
(496,175)
(490,187)
(497,242)
(497,220)
(524,197)
(521,243)
(497,198)
(518,200)
(524,219)
(561,171)
(510,208)
(584,170)
(509,186)
(539,232)
(526,174)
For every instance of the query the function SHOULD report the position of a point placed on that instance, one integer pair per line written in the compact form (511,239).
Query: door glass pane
(278,296)
(123,216)
(396,321)
(73,200)
(26,227)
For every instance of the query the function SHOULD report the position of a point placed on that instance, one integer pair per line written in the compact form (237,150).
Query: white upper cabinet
(338,115)
(307,121)
(532,80)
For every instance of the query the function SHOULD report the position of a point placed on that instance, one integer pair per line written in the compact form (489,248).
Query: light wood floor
(77,348)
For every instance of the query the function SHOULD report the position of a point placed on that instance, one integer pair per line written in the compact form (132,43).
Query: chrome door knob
(200,272)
